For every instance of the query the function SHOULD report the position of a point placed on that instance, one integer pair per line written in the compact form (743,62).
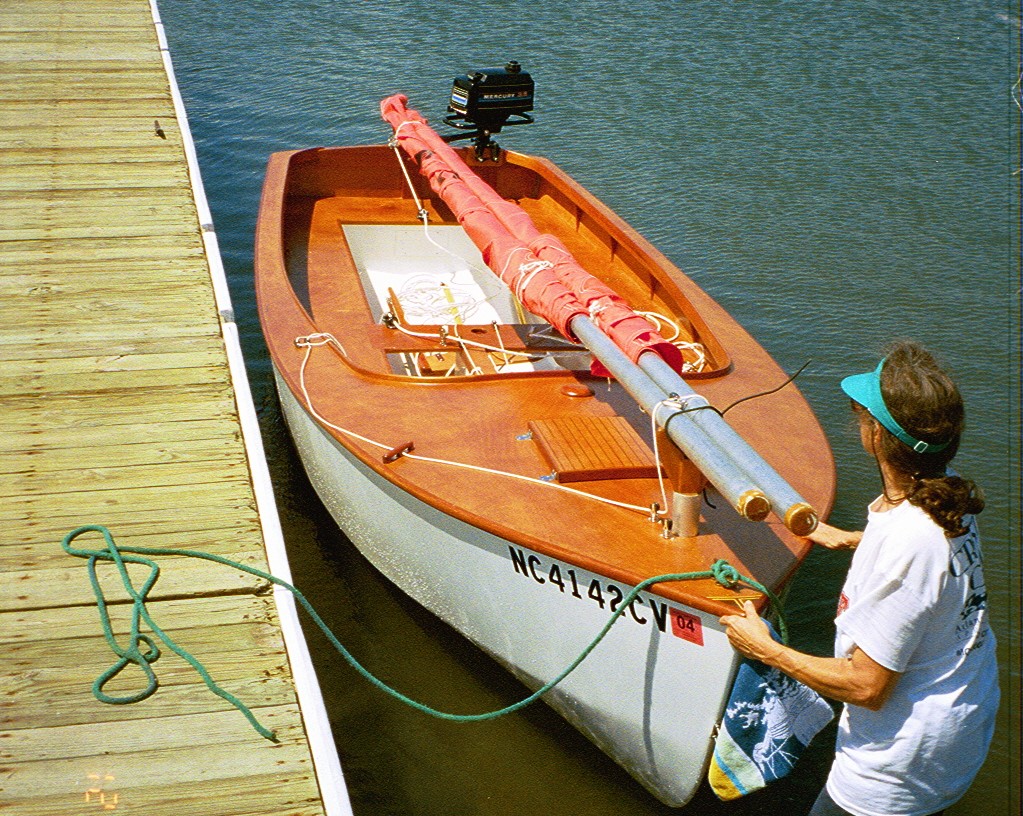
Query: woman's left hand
(749,635)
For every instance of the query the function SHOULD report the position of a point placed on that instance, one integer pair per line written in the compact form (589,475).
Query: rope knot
(133,653)
(320,339)
(724,573)
(528,271)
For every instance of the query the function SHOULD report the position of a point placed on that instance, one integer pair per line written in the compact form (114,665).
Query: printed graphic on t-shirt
(965,560)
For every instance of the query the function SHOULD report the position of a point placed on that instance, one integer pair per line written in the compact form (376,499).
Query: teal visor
(866,390)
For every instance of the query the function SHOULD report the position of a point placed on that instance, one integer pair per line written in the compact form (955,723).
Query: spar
(551,283)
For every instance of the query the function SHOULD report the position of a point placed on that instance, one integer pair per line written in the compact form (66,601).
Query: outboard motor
(485,101)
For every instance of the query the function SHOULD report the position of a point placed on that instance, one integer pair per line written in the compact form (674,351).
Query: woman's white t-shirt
(915,602)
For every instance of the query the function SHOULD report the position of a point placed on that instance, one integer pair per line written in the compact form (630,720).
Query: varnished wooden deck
(118,407)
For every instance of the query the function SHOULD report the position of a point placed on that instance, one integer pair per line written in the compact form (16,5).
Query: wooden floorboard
(117,408)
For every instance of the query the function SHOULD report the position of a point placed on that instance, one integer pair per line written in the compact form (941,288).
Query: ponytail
(947,500)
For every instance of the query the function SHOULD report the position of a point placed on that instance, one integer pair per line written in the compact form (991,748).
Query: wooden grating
(588,448)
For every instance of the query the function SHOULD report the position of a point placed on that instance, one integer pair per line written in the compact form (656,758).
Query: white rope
(657,452)
(475,370)
(698,350)
(504,352)
(658,321)
(527,271)
(408,179)
(322,339)
(421,210)
(432,299)
(308,343)
(677,405)
(527,357)
(596,310)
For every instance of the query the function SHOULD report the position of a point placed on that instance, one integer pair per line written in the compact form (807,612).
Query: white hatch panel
(440,279)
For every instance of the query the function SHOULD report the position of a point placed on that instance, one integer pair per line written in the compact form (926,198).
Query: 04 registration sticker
(686,626)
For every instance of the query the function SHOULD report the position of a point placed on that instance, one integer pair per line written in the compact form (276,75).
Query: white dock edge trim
(327,765)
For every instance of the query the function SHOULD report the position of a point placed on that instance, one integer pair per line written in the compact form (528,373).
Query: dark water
(835,174)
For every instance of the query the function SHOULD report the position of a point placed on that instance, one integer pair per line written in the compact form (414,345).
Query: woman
(914,655)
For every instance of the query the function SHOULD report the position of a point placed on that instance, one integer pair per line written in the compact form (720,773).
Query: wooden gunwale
(356,393)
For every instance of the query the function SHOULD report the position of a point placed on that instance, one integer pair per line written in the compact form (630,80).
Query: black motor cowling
(488,98)
(485,101)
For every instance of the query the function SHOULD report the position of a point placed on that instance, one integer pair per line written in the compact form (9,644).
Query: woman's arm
(858,680)
(834,538)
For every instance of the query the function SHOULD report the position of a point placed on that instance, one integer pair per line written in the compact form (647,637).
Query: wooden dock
(123,403)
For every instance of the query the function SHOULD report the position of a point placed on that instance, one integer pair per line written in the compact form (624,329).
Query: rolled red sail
(533,281)
(537,267)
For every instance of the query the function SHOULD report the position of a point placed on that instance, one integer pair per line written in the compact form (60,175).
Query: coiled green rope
(720,570)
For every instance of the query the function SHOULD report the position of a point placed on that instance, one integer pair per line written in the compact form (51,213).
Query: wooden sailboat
(518,473)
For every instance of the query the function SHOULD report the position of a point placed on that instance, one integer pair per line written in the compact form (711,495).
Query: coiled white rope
(429,298)
(659,321)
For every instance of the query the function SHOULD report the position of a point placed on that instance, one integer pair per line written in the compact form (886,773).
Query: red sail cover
(537,267)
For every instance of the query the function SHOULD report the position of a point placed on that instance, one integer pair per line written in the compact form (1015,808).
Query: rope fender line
(721,571)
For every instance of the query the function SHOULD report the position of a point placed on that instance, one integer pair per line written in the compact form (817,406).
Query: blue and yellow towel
(768,722)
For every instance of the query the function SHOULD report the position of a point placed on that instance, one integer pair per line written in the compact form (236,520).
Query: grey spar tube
(791,508)
(713,461)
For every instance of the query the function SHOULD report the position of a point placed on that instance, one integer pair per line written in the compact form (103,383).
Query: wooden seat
(588,448)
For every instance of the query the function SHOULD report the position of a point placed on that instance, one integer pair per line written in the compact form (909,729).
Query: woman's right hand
(834,538)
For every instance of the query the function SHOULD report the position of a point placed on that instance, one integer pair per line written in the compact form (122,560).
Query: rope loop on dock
(132,654)
(721,571)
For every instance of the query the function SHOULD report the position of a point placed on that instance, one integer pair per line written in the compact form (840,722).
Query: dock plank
(20,626)
(126,441)
(97,739)
(63,417)
(178,767)
(147,248)
(118,134)
(203,465)
(75,214)
(39,548)
(66,586)
(110,363)
(40,378)
(117,462)
(240,796)
(93,506)
(101,175)
(86,271)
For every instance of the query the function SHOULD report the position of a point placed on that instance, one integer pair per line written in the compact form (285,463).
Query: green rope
(131,654)
(720,570)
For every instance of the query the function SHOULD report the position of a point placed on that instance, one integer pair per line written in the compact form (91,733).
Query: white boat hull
(650,695)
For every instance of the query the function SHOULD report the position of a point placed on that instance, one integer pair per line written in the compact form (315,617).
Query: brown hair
(922,398)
